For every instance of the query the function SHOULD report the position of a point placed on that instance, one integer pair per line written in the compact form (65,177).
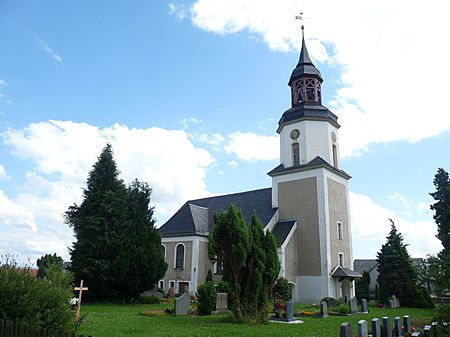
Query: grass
(111,320)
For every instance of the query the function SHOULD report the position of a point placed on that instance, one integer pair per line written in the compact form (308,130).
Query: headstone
(364,308)
(352,304)
(406,324)
(386,330)
(324,309)
(152,293)
(80,289)
(397,327)
(181,305)
(427,331)
(415,334)
(362,328)
(394,302)
(289,311)
(171,292)
(222,303)
(434,329)
(346,330)
(376,328)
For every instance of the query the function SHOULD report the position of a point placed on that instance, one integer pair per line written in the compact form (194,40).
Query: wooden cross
(80,289)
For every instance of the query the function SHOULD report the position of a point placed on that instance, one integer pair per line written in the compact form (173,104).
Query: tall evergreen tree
(250,261)
(396,274)
(117,249)
(46,261)
(441,216)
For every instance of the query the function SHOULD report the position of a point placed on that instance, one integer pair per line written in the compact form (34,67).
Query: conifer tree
(250,261)
(396,274)
(117,249)
(441,216)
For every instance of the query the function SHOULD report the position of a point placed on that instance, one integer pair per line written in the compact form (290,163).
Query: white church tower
(310,188)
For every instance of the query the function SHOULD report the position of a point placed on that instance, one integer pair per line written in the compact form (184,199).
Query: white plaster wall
(315,140)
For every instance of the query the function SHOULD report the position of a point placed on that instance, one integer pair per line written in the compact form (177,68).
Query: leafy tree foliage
(48,261)
(118,249)
(35,301)
(250,261)
(282,288)
(362,287)
(396,274)
(207,296)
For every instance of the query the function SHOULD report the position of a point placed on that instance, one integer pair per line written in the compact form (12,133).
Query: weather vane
(300,17)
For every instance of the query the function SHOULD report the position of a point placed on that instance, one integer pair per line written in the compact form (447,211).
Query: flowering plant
(278,308)
(73,302)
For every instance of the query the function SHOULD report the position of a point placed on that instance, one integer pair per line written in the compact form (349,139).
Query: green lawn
(109,320)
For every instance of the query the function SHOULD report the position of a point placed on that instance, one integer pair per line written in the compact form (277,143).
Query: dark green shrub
(442,313)
(149,300)
(36,302)
(206,298)
(282,288)
(343,309)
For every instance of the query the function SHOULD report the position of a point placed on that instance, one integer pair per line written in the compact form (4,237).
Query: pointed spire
(304,67)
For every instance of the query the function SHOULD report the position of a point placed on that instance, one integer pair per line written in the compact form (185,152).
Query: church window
(335,161)
(341,259)
(179,256)
(161,284)
(172,285)
(163,251)
(295,153)
(218,267)
(339,230)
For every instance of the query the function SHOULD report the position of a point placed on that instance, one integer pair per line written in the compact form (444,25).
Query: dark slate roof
(343,273)
(365,265)
(305,65)
(316,162)
(307,110)
(195,217)
(281,230)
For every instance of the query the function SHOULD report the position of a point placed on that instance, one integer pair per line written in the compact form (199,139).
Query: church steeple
(305,80)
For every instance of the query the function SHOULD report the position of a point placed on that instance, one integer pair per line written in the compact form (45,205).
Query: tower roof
(304,67)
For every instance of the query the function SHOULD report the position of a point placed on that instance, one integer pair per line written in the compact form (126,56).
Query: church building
(306,208)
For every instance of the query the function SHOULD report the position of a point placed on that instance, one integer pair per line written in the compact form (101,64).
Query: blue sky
(189,93)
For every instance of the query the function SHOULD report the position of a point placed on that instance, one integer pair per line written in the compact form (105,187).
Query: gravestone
(289,311)
(346,330)
(397,327)
(171,292)
(324,309)
(415,334)
(376,327)
(394,303)
(352,304)
(152,293)
(364,308)
(222,303)
(406,324)
(386,330)
(362,328)
(427,331)
(181,305)
(80,289)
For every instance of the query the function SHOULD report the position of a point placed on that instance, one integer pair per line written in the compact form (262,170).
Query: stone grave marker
(386,330)
(362,328)
(222,303)
(352,304)
(364,308)
(346,330)
(181,305)
(289,311)
(406,324)
(324,309)
(80,290)
(397,327)
(427,331)
(376,328)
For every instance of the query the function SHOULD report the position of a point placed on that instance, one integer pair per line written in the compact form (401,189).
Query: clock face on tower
(295,134)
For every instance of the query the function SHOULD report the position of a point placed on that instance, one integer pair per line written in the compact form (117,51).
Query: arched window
(179,256)
(295,154)
(163,252)
(335,159)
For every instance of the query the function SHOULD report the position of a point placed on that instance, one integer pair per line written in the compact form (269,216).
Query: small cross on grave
(80,289)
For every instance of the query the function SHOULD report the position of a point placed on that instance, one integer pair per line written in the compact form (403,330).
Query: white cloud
(3,173)
(45,48)
(393,66)
(233,164)
(370,227)
(63,152)
(4,97)
(250,146)
(191,120)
